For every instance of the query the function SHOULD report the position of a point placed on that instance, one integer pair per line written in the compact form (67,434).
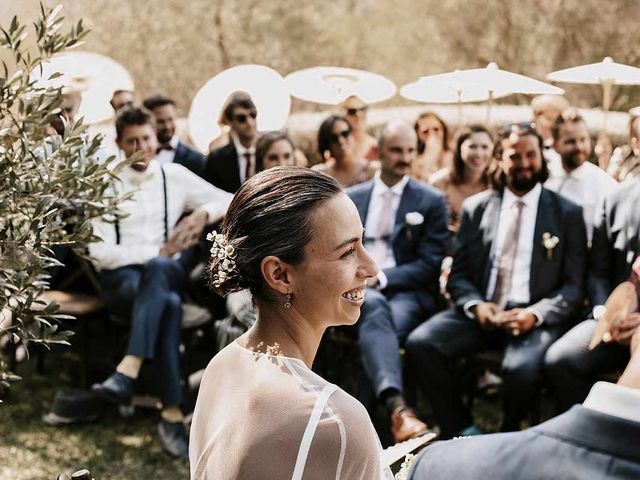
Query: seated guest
(170,148)
(335,146)
(596,440)
(571,367)
(469,173)
(364,145)
(625,160)
(575,177)
(433,146)
(230,166)
(294,239)
(122,99)
(406,234)
(143,265)
(516,280)
(274,149)
(546,110)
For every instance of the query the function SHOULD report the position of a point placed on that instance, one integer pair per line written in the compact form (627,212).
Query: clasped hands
(516,321)
(186,233)
(623,331)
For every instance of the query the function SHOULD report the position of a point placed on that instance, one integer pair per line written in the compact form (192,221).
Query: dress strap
(310,431)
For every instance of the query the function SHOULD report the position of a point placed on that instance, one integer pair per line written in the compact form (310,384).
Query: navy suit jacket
(615,242)
(556,284)
(190,158)
(222,169)
(418,249)
(579,444)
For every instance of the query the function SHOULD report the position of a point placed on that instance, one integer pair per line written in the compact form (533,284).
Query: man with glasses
(516,281)
(230,166)
(364,145)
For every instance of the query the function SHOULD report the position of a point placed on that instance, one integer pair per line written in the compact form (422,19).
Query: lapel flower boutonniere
(413,219)
(549,241)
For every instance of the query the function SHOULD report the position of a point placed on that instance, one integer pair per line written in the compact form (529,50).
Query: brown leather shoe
(406,425)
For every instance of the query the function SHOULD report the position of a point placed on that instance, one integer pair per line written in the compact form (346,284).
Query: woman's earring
(287,304)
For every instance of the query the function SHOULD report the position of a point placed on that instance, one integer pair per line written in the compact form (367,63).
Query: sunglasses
(243,117)
(521,128)
(336,136)
(352,112)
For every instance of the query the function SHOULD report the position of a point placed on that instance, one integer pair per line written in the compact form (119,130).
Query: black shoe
(118,388)
(173,438)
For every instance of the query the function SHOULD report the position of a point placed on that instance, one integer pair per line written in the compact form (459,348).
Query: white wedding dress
(260,416)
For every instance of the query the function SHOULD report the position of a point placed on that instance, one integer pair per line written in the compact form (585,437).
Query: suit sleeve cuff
(538,315)
(468,306)
(382,280)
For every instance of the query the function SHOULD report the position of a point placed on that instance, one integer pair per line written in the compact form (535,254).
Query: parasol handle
(489,107)
(459,93)
(607,89)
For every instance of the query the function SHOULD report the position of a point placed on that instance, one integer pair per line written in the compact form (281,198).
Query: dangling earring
(287,304)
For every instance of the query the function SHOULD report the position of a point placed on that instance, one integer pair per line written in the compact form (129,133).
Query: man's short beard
(525,184)
(571,162)
(163,137)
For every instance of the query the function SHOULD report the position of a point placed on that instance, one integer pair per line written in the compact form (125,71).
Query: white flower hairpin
(549,242)
(226,255)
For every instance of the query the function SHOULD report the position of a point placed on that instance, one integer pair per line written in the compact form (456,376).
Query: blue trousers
(384,324)
(151,296)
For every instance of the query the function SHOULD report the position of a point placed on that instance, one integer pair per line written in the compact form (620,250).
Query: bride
(294,239)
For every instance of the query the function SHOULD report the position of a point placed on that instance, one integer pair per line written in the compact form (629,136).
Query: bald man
(406,233)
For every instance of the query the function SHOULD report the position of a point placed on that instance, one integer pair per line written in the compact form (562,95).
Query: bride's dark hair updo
(269,215)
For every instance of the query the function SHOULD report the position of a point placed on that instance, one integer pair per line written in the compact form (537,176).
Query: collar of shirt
(530,199)
(241,149)
(134,177)
(380,188)
(615,400)
(173,143)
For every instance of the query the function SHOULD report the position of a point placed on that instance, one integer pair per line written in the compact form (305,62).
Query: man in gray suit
(571,367)
(598,439)
(516,281)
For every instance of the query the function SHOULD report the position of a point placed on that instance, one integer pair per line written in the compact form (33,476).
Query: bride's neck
(286,330)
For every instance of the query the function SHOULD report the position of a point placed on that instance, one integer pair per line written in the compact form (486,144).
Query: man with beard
(170,148)
(406,234)
(229,166)
(517,283)
(576,178)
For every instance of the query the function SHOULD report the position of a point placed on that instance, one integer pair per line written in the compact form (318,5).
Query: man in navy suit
(406,233)
(170,148)
(229,166)
(517,283)
(598,439)
(571,367)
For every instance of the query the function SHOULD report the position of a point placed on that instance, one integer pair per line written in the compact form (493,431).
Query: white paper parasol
(495,81)
(266,87)
(333,85)
(99,76)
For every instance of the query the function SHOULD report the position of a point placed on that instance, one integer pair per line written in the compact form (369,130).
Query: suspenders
(166,211)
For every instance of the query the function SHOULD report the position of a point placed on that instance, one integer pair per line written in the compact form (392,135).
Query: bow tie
(164,146)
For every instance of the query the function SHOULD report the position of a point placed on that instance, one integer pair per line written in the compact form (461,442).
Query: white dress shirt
(586,186)
(519,292)
(242,159)
(376,204)
(167,156)
(142,231)
(616,400)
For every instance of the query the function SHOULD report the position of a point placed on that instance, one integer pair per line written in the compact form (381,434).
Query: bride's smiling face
(329,285)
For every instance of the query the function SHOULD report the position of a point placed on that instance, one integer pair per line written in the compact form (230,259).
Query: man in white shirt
(143,265)
(598,439)
(170,148)
(229,166)
(406,234)
(575,177)
(516,280)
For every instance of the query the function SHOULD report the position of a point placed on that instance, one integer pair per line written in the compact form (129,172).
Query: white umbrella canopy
(266,88)
(97,76)
(427,90)
(333,85)
(598,73)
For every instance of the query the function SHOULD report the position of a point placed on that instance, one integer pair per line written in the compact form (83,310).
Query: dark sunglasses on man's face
(243,117)
(352,112)
(336,136)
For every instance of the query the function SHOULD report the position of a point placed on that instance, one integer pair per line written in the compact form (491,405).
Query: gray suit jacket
(556,284)
(579,444)
(615,242)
